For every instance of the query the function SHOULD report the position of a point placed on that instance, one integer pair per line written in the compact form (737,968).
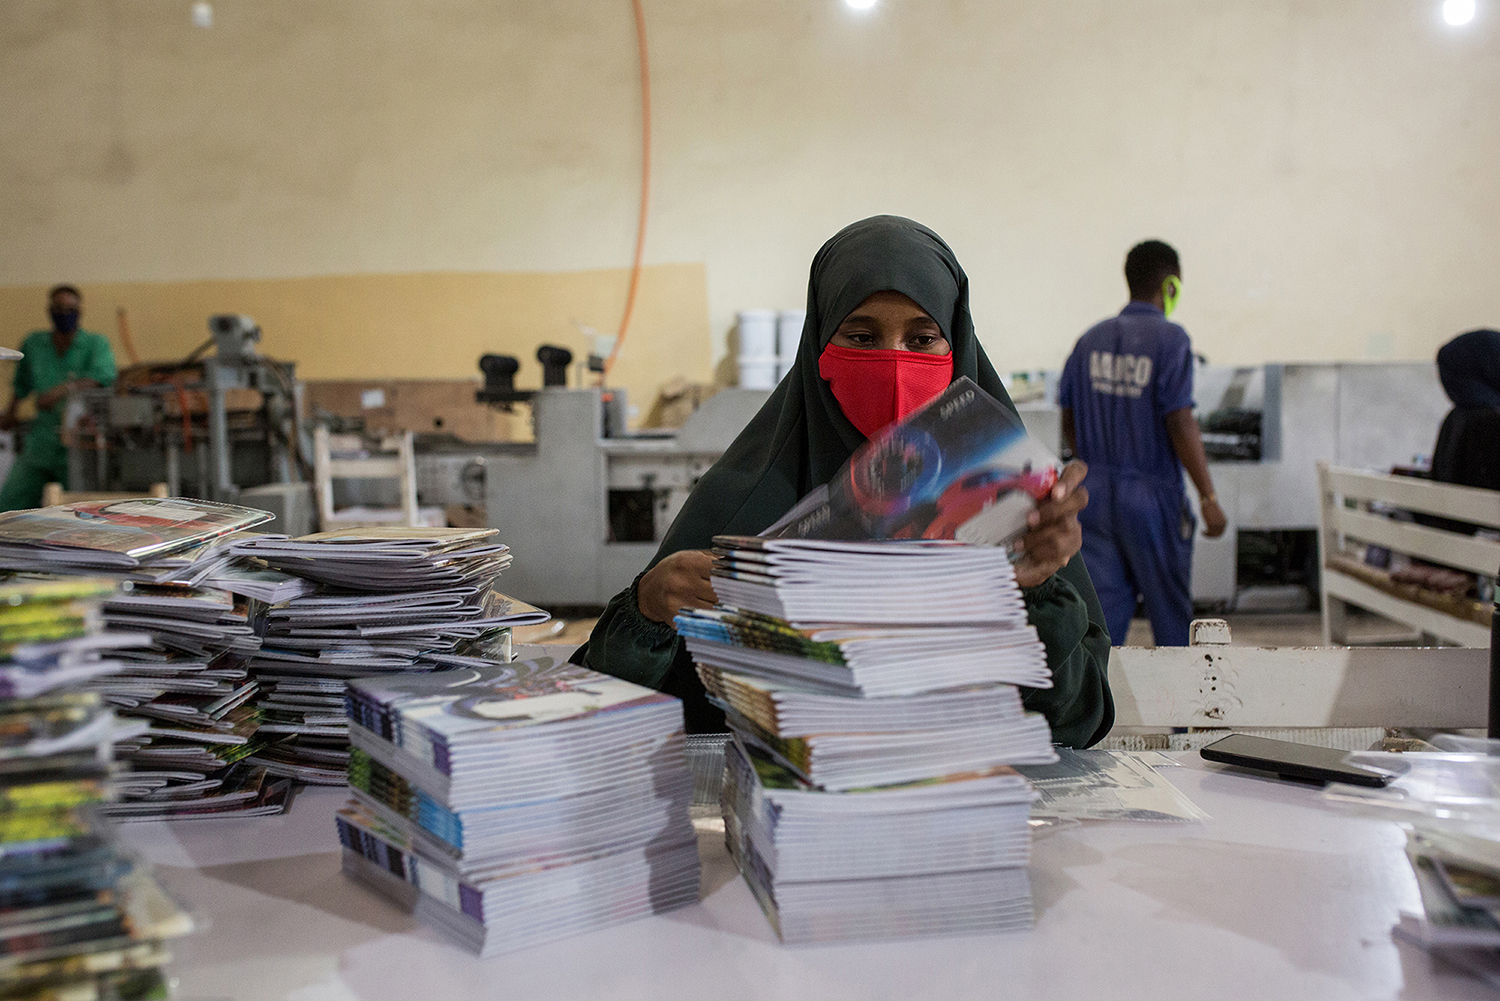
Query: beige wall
(1327,169)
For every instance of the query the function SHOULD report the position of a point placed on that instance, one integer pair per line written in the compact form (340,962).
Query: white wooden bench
(1347,581)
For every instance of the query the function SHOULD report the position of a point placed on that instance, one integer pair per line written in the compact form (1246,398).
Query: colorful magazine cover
(496,697)
(962,467)
(136,528)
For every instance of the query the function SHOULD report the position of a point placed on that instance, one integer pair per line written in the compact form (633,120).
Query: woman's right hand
(679,581)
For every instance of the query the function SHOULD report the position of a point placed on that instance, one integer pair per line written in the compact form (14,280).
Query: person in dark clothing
(888,327)
(1468,445)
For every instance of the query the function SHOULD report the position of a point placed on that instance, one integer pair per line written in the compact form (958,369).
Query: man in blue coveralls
(1127,411)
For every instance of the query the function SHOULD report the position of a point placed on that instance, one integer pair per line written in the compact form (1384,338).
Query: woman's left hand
(1054,536)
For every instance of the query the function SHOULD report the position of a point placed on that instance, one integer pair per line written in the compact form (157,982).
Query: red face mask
(876,388)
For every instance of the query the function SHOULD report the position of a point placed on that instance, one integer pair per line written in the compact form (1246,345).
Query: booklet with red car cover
(961,467)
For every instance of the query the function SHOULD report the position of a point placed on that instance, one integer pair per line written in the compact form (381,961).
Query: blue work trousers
(1138,540)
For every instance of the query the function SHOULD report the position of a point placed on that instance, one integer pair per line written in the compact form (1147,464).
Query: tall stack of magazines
(513,804)
(77,918)
(383,600)
(871,691)
(181,585)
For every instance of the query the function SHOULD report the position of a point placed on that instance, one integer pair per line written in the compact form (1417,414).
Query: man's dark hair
(58,290)
(1147,265)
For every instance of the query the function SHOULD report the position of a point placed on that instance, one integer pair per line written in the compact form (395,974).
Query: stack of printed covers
(871,690)
(78,919)
(248,639)
(513,804)
(387,600)
(194,601)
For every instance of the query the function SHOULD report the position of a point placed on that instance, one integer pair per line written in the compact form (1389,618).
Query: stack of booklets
(1458,877)
(129,536)
(872,691)
(189,678)
(193,685)
(78,919)
(387,600)
(518,803)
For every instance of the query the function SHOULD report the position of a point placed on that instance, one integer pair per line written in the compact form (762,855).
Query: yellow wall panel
(411,326)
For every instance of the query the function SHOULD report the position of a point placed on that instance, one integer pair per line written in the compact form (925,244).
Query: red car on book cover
(907,462)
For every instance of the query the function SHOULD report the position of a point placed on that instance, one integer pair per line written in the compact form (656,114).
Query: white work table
(1277,897)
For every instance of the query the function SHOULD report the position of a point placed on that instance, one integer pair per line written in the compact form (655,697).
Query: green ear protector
(1171,292)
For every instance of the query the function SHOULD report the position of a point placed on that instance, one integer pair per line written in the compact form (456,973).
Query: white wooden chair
(397,461)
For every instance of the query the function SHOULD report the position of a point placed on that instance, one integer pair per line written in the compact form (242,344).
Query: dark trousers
(1138,541)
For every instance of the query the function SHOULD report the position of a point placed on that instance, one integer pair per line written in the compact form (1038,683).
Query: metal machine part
(585,505)
(206,428)
(555,362)
(500,375)
(500,380)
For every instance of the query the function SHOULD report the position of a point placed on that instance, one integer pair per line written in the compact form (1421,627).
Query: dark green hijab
(801,437)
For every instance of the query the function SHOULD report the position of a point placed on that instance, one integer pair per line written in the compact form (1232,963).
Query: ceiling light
(1458,12)
(867,4)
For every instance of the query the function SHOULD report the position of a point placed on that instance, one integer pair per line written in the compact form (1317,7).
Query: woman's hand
(679,581)
(1054,536)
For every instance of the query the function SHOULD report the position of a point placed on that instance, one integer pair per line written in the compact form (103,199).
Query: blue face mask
(64,321)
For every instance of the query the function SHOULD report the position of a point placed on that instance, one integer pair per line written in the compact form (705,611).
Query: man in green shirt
(56,362)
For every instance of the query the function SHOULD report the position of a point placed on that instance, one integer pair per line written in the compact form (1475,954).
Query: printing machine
(583,469)
(208,426)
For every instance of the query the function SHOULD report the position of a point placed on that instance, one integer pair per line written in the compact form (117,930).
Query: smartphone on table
(1288,760)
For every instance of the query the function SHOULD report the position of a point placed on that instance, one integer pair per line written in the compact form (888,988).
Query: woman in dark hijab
(1469,369)
(1467,451)
(887,328)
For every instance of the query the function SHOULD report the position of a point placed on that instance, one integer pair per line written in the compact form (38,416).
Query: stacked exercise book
(382,601)
(176,575)
(78,919)
(192,683)
(871,691)
(512,804)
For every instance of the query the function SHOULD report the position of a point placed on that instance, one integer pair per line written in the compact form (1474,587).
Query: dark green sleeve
(101,362)
(628,645)
(1066,613)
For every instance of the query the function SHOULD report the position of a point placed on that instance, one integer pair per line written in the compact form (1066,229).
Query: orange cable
(640,229)
(125,340)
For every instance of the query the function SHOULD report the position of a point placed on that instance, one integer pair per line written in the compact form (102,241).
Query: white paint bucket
(758,373)
(789,332)
(757,333)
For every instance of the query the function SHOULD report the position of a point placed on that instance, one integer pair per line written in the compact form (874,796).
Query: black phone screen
(1301,762)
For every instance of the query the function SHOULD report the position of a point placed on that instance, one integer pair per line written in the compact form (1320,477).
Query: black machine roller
(500,374)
